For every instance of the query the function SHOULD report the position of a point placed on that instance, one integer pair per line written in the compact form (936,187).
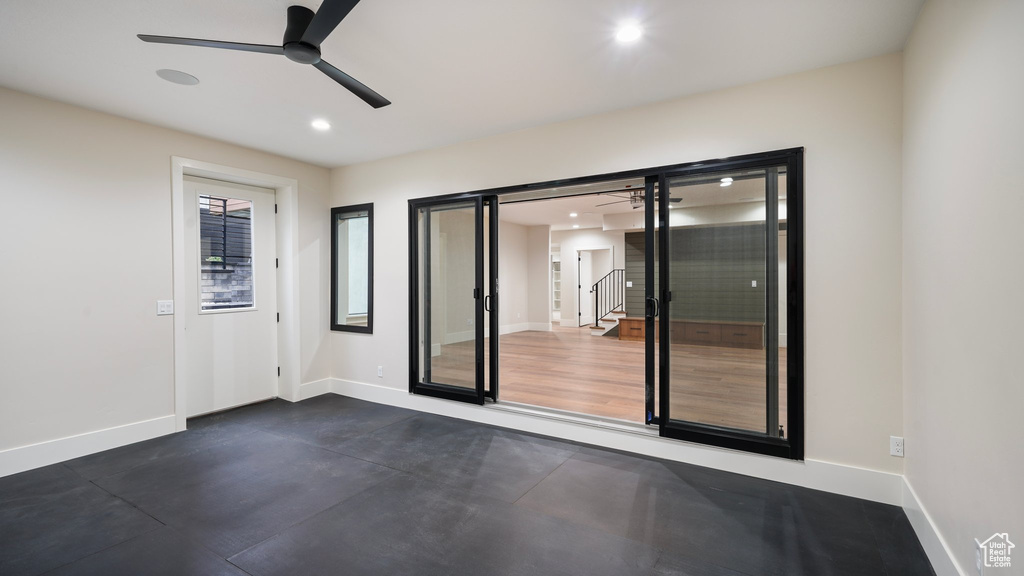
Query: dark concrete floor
(335,485)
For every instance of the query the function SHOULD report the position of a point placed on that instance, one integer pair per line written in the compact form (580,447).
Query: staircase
(606,324)
(609,301)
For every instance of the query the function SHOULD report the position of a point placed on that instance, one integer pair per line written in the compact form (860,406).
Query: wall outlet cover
(164,307)
(896,446)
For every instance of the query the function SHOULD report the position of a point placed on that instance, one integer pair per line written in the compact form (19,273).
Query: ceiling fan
(303,35)
(635,198)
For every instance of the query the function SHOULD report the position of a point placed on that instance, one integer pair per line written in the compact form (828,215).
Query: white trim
(837,478)
(513,328)
(33,456)
(935,546)
(287,199)
(314,388)
(540,326)
(456,337)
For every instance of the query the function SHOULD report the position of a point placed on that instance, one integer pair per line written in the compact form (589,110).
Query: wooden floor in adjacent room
(568,369)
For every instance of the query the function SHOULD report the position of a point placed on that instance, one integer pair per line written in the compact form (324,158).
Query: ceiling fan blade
(327,18)
(610,203)
(264,48)
(354,86)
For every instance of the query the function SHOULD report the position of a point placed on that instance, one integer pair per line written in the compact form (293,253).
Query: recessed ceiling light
(177,77)
(726,182)
(575,225)
(573,214)
(628,32)
(320,124)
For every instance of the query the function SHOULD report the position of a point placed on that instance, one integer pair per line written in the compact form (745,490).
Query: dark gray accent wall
(712,270)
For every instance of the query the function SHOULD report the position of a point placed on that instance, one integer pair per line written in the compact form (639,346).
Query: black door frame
(790,447)
(485,297)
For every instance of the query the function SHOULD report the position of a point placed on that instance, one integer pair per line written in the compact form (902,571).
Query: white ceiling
(455,70)
(591,202)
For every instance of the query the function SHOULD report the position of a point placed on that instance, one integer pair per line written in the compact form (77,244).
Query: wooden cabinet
(703,332)
(632,329)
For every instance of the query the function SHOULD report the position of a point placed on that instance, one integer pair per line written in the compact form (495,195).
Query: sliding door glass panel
(652,301)
(448,305)
(724,287)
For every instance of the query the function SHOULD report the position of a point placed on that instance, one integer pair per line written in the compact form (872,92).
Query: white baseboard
(435,350)
(837,478)
(512,328)
(32,456)
(539,326)
(783,341)
(935,546)
(456,337)
(315,388)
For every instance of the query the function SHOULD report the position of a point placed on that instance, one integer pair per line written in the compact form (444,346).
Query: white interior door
(229,309)
(584,273)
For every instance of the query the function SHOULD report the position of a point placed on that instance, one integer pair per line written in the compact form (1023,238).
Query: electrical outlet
(380,371)
(896,446)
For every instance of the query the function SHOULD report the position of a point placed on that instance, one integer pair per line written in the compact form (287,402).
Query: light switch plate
(164,307)
(629,284)
(753,283)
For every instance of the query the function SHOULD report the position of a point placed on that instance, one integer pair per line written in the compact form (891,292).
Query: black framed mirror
(352,268)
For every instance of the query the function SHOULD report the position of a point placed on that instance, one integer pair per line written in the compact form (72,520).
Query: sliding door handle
(487,303)
(653,307)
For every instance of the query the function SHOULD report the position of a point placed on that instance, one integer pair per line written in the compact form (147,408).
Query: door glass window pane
(724,362)
(447,275)
(225,254)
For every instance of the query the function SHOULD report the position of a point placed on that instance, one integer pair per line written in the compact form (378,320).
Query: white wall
(86,236)
(513,272)
(963,255)
(848,117)
(539,270)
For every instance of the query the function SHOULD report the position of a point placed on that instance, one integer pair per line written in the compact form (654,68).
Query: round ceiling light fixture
(726,182)
(628,32)
(320,124)
(177,77)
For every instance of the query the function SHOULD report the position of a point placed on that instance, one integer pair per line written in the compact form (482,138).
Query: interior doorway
(688,264)
(592,264)
(284,274)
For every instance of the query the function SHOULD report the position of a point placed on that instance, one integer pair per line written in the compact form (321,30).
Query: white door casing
(584,300)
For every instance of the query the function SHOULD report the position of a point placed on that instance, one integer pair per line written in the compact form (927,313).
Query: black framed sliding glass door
(454,306)
(723,306)
(719,258)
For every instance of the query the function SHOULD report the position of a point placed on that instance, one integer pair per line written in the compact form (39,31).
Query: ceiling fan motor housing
(295,49)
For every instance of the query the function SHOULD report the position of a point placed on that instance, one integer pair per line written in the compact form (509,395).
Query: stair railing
(609,294)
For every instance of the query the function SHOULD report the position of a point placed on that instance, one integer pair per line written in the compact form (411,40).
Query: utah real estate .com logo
(994,552)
